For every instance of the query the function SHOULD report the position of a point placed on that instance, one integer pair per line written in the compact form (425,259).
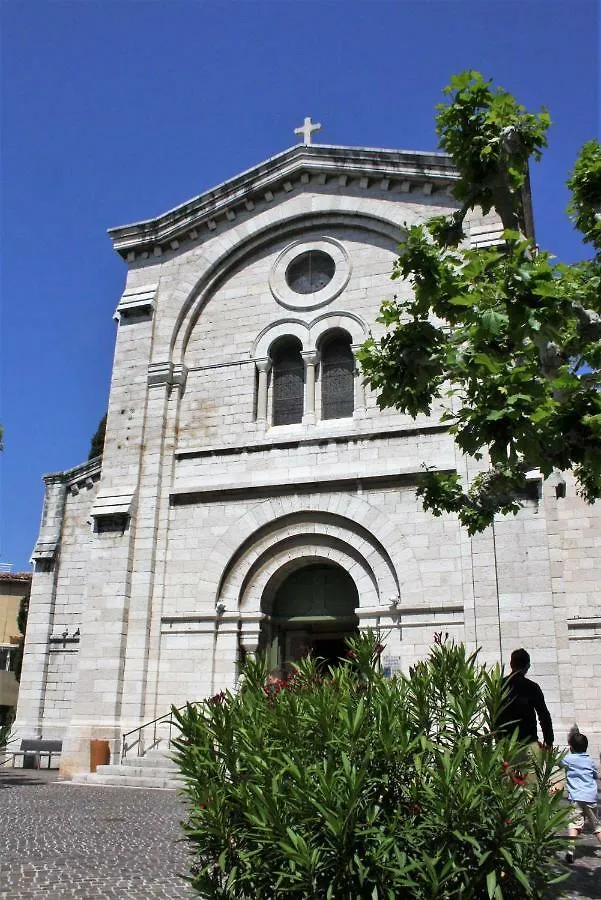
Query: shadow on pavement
(26,777)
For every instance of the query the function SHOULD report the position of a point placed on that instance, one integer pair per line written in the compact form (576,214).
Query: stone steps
(155,770)
(116,780)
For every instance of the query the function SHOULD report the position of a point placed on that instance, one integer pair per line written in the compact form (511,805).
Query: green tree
(505,339)
(17,661)
(97,443)
(353,785)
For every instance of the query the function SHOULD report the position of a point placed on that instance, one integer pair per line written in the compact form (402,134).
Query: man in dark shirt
(525,701)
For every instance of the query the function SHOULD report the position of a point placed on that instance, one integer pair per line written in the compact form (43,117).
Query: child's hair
(578,743)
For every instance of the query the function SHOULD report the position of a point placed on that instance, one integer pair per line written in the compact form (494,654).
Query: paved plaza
(90,843)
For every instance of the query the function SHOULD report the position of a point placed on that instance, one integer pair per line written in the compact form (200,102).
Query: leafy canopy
(504,338)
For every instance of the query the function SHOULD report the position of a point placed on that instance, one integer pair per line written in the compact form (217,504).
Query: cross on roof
(307,129)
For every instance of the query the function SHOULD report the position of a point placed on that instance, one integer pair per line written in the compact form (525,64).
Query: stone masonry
(156,570)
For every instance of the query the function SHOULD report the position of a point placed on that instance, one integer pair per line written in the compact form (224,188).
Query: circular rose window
(308,274)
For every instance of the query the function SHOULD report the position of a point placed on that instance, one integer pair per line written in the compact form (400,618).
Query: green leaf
(462,300)
(493,321)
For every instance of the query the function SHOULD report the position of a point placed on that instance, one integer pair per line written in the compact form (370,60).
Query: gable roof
(258,185)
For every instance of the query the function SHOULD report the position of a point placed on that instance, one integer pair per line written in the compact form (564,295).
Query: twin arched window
(288,379)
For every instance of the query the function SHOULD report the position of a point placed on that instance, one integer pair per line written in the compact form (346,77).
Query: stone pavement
(61,841)
(90,843)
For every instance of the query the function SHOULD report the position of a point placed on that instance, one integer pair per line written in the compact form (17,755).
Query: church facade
(252,495)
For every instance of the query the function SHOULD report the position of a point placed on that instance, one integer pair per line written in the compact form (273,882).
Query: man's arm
(544,717)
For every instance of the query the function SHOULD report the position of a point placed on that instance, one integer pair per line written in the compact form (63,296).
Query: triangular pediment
(283,173)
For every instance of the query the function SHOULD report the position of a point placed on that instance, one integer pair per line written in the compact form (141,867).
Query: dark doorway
(329,650)
(312,611)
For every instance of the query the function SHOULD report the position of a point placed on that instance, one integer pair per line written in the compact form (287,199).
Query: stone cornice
(322,481)
(77,474)
(405,169)
(313,438)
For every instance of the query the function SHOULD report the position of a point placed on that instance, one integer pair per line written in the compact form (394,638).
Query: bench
(33,750)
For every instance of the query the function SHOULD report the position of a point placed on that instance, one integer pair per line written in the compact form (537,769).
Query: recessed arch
(353,325)
(237,245)
(313,529)
(285,560)
(263,343)
(309,334)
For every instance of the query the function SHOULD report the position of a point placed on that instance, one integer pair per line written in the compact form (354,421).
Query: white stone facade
(157,571)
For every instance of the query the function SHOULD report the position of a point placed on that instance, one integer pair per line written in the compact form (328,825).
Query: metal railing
(144,741)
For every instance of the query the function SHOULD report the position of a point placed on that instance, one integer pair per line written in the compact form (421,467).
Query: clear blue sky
(116,111)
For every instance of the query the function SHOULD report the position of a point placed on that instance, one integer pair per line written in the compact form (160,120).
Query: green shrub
(355,785)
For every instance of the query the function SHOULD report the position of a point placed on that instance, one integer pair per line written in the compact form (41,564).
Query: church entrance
(312,611)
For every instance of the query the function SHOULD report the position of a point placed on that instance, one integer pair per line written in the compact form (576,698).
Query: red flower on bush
(217,699)
(274,685)
(516,777)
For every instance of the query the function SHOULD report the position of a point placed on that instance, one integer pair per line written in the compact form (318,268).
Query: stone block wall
(215,502)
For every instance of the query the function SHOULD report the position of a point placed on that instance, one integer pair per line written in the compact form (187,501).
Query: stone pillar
(311,358)
(263,367)
(32,689)
(359,406)
(149,552)
(97,697)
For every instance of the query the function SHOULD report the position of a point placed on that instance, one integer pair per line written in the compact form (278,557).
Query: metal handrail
(167,718)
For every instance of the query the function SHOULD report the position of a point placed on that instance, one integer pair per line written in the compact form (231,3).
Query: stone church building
(251,493)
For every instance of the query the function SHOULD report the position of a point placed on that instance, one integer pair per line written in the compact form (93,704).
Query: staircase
(145,760)
(153,770)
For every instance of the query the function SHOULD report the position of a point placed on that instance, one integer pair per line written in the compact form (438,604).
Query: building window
(337,378)
(310,272)
(5,658)
(288,383)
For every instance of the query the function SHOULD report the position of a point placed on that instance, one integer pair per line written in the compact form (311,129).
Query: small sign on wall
(391,665)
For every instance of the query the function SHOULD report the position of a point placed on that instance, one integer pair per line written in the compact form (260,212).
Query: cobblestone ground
(90,843)
(62,841)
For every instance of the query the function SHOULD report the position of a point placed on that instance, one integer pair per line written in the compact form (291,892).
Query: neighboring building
(251,493)
(14,586)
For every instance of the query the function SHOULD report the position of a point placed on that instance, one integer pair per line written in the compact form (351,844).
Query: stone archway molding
(282,565)
(309,334)
(359,520)
(299,551)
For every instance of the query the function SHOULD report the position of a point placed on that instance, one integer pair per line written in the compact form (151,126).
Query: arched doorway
(309,609)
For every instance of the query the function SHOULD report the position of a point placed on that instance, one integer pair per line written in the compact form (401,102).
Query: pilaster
(96,712)
(165,383)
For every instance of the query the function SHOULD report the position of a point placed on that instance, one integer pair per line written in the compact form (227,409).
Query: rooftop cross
(307,129)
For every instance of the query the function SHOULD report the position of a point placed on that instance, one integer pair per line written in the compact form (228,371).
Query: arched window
(337,377)
(288,382)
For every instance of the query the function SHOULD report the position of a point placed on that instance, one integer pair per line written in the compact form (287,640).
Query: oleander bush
(351,784)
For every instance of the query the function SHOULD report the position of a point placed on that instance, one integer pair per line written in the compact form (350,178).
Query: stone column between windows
(263,367)
(311,358)
(359,410)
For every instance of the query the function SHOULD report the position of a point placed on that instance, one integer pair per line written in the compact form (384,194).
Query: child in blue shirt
(581,783)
